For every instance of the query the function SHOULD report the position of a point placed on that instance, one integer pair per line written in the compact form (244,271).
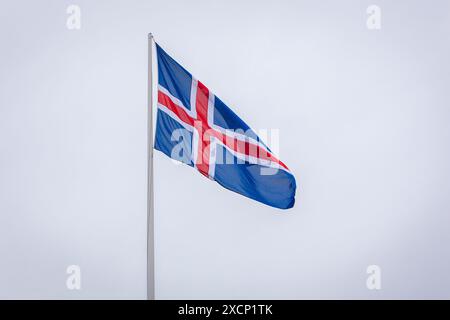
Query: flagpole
(150,211)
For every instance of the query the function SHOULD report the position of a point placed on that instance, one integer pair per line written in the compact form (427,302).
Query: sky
(363,120)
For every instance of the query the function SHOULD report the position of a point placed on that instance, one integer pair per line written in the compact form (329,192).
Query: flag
(197,128)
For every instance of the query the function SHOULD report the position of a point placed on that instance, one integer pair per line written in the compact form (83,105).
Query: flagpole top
(150,36)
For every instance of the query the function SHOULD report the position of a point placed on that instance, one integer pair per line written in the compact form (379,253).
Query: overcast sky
(363,118)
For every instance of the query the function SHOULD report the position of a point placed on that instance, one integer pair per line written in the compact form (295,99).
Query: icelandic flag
(195,127)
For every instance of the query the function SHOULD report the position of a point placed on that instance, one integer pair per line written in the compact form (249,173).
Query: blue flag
(195,127)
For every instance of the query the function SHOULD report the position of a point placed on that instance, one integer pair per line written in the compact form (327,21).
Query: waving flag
(196,127)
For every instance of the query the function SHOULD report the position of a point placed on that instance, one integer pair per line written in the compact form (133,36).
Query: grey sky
(363,118)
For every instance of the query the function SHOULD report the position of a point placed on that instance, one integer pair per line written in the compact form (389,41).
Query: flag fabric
(195,127)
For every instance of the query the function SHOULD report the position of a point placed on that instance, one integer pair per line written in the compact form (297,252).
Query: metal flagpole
(150,213)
